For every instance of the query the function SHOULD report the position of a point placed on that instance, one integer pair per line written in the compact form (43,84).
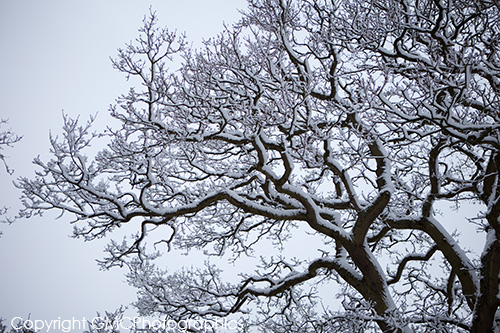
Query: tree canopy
(346,120)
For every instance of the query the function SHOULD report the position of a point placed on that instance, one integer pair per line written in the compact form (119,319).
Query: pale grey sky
(55,56)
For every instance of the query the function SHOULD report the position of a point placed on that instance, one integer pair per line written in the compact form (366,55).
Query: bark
(487,301)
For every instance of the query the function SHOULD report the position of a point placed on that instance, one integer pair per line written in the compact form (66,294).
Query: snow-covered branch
(333,127)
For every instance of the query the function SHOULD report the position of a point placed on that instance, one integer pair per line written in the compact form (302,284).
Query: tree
(7,139)
(347,120)
(20,328)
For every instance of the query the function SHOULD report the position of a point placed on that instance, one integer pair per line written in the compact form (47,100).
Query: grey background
(54,56)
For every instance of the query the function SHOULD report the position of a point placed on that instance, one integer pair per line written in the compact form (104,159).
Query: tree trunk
(487,300)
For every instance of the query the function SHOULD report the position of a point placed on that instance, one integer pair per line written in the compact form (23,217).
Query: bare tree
(348,120)
(19,327)
(7,139)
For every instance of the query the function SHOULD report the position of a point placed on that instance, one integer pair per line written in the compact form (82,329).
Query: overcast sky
(55,56)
